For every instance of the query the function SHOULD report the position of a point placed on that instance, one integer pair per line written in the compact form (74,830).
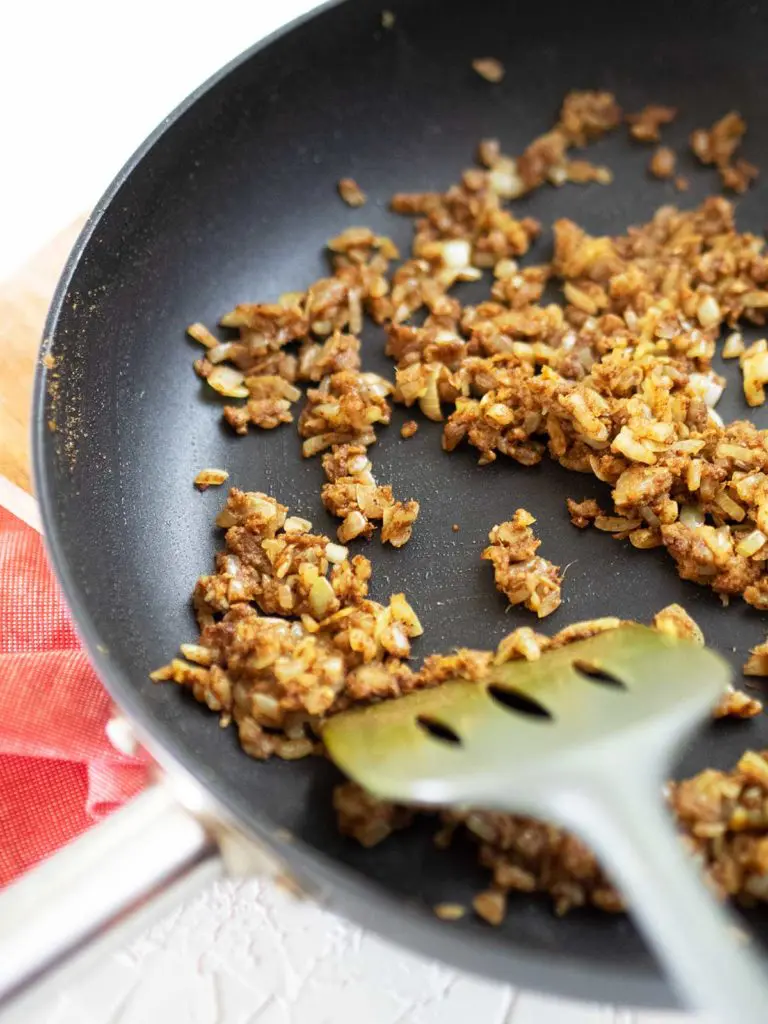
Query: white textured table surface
(76,103)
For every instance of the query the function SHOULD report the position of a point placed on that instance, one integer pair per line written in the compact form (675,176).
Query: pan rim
(341,890)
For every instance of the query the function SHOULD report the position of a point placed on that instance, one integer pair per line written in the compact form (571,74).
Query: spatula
(583,737)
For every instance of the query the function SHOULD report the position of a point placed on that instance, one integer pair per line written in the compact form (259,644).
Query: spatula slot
(439,730)
(514,700)
(598,675)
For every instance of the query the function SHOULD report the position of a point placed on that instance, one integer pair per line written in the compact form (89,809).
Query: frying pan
(231,200)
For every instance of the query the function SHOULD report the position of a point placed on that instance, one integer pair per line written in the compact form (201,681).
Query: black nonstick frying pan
(232,200)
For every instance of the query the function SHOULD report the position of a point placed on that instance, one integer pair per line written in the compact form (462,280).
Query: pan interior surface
(233,201)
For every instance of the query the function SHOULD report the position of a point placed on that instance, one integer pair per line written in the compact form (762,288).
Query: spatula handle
(693,936)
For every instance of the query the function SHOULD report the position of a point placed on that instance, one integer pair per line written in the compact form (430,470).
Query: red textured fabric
(58,771)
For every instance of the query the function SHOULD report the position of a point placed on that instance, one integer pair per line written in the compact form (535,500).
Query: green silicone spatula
(584,737)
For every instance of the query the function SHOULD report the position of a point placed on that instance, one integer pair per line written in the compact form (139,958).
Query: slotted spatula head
(530,723)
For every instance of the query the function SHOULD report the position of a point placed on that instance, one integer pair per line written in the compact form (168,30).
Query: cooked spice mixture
(288,636)
(616,381)
(718,145)
(646,125)
(663,161)
(351,192)
(520,574)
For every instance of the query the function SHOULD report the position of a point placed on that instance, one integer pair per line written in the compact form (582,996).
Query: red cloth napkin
(58,771)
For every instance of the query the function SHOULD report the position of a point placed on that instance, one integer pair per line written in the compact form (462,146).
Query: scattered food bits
(298,605)
(353,495)
(201,334)
(733,346)
(738,704)
(582,172)
(397,522)
(587,115)
(277,653)
(754,369)
(645,125)
(717,146)
(344,409)
(491,906)
(520,574)
(757,662)
(583,513)
(450,911)
(351,192)
(210,478)
(754,767)
(489,68)
(455,527)
(584,117)
(617,382)
(708,312)
(738,176)
(682,184)
(675,621)
(409,428)
(663,162)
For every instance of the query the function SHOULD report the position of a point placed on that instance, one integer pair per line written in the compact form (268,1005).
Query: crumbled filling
(718,144)
(646,125)
(520,574)
(617,382)
(351,192)
(663,162)
(353,495)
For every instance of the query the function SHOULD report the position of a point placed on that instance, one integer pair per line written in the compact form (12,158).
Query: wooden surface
(24,300)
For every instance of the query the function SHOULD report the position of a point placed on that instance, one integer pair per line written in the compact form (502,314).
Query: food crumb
(583,513)
(675,621)
(717,146)
(520,574)
(491,905)
(409,428)
(210,478)
(49,361)
(682,184)
(351,192)
(200,333)
(353,495)
(645,126)
(754,369)
(733,345)
(450,911)
(387,19)
(757,662)
(455,527)
(662,163)
(397,522)
(582,172)
(738,704)
(489,68)
(738,176)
